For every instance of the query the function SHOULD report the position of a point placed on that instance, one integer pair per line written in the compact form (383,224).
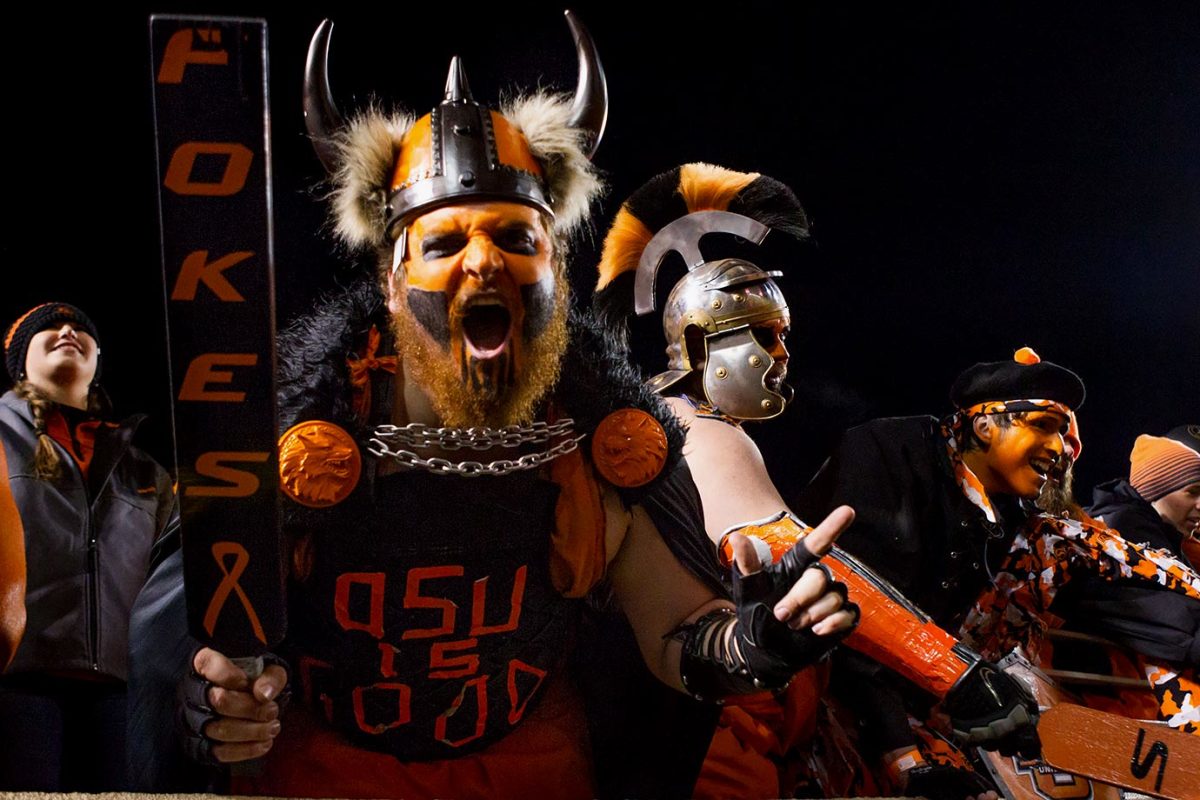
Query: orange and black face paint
(480,281)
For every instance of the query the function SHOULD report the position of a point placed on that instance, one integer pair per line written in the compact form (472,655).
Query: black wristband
(710,667)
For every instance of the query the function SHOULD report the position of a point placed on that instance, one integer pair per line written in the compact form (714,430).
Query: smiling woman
(88,508)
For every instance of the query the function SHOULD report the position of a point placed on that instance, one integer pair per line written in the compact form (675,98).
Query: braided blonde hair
(47,463)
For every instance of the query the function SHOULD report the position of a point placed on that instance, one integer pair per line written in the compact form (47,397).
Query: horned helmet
(387,169)
(487,348)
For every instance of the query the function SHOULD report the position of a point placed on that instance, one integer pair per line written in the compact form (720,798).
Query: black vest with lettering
(429,625)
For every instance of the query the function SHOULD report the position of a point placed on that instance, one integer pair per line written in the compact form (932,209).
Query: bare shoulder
(716,439)
(617,521)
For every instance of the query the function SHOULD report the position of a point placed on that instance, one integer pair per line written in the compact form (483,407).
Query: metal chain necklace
(389,441)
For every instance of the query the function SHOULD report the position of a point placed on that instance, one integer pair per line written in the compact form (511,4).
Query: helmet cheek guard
(723,300)
(735,376)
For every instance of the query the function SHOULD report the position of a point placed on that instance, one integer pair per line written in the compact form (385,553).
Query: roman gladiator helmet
(721,300)
(387,170)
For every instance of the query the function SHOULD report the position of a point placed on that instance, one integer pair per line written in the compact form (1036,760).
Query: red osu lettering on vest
(448,666)
(387,659)
(414,599)
(374,581)
(481,706)
(479,605)
(516,704)
(403,706)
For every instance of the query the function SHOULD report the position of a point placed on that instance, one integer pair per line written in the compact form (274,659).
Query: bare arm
(729,473)
(658,594)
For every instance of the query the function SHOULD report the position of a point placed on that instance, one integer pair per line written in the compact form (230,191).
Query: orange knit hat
(1160,465)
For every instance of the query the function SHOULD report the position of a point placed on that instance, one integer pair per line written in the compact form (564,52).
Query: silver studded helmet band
(465,162)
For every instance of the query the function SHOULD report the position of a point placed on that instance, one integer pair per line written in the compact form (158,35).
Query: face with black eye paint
(481,308)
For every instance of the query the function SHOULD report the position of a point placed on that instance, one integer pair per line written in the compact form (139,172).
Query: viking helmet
(388,170)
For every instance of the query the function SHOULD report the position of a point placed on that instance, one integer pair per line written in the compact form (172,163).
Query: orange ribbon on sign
(360,373)
(230,584)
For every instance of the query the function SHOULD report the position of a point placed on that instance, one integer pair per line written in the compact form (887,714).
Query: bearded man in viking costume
(436,597)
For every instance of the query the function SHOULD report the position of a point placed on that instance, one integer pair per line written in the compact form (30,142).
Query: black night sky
(978,178)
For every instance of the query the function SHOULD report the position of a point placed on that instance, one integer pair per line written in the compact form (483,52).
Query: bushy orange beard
(460,404)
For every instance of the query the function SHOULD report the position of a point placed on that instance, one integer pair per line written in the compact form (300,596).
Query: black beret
(1014,380)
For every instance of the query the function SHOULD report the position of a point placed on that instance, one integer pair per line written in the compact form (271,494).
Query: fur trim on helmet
(571,179)
(366,150)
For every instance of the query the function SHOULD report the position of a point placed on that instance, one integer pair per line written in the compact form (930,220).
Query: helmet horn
(457,89)
(589,111)
(321,116)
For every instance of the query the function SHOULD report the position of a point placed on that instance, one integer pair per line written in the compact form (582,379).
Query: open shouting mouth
(486,326)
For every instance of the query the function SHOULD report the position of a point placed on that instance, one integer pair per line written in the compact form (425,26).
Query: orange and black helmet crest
(673,195)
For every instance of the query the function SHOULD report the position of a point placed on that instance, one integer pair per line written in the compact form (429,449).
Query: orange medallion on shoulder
(319,464)
(629,448)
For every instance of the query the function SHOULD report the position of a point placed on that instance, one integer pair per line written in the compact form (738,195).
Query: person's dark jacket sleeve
(1158,624)
(861,684)
(159,650)
(883,470)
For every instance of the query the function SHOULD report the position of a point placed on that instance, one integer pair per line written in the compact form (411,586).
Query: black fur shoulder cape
(314,382)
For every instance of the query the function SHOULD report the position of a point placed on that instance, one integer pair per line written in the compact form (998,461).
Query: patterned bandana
(1047,554)
(1012,406)
(972,487)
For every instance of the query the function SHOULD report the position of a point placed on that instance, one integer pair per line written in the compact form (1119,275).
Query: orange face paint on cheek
(527,270)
